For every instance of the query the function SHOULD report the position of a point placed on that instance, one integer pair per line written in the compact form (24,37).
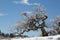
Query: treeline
(11,35)
(6,35)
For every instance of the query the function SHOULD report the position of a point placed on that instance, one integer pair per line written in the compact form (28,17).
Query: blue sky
(10,11)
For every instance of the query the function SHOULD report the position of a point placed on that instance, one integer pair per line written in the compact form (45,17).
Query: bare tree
(55,26)
(33,22)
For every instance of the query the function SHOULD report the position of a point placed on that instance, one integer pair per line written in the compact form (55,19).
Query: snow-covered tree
(55,25)
(33,21)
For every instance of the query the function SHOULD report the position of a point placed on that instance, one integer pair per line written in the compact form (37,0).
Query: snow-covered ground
(57,37)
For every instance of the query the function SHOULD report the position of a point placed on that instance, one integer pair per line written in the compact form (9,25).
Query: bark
(44,33)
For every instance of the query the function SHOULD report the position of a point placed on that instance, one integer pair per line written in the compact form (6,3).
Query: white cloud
(2,14)
(36,3)
(26,2)
(16,2)
(22,2)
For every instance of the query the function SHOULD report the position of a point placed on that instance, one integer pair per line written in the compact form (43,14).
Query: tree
(7,35)
(33,22)
(3,34)
(12,35)
(0,32)
(55,24)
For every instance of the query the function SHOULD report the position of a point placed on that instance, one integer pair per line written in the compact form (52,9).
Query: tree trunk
(44,33)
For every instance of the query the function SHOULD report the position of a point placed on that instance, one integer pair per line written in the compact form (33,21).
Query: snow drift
(57,37)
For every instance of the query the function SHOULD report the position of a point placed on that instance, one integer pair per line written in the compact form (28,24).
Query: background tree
(55,26)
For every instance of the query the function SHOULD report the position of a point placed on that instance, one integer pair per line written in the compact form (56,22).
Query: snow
(57,37)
